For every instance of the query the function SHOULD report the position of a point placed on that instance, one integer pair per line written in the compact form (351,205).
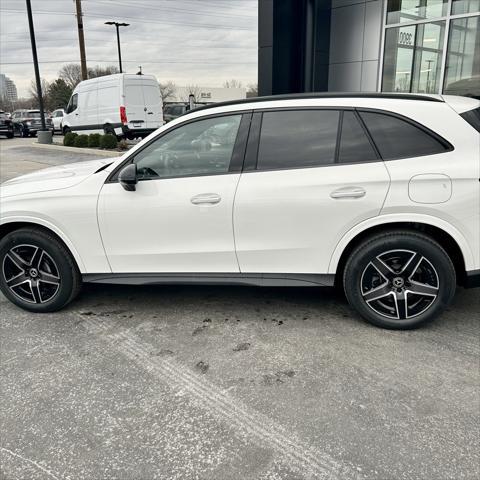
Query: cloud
(202,42)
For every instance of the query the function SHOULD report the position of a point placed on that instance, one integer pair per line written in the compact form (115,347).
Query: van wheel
(399,279)
(109,130)
(37,272)
(66,130)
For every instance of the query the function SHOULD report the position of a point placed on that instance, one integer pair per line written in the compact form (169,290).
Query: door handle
(206,199)
(348,192)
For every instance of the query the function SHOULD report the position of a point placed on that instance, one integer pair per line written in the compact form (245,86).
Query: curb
(88,151)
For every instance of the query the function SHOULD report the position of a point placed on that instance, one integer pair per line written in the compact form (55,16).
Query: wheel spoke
(37,258)
(384,270)
(17,281)
(49,278)
(377,293)
(401,304)
(423,289)
(412,265)
(35,288)
(17,260)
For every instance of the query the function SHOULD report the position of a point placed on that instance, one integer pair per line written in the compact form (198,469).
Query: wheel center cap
(33,272)
(398,282)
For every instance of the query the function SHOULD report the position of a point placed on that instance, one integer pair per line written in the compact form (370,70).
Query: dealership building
(423,46)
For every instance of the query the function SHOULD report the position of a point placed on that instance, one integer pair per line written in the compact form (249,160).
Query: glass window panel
(296,139)
(465,6)
(396,138)
(413,58)
(203,147)
(399,11)
(462,74)
(354,144)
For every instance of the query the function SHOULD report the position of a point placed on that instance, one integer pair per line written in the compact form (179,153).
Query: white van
(123,104)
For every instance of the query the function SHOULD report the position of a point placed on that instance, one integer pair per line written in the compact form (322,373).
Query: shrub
(108,141)
(81,141)
(123,144)
(69,139)
(94,140)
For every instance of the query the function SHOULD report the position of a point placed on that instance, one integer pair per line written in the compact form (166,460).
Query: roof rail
(300,96)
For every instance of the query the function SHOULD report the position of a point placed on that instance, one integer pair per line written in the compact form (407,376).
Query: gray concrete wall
(355,40)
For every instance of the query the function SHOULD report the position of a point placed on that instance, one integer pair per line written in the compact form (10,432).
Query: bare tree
(71,74)
(167,91)
(232,84)
(191,90)
(34,95)
(252,90)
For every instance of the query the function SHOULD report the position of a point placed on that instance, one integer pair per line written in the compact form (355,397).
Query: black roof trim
(299,96)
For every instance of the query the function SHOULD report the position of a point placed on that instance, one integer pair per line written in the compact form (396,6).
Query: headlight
(28,124)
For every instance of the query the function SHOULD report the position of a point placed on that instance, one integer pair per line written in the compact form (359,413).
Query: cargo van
(123,104)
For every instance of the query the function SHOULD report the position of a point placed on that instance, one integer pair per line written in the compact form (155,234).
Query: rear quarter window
(473,118)
(399,138)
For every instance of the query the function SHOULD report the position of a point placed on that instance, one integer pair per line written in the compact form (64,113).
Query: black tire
(33,134)
(399,279)
(66,130)
(23,132)
(50,278)
(10,135)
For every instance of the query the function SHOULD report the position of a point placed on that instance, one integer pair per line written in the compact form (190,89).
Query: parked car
(28,122)
(173,111)
(377,193)
(122,104)
(57,120)
(6,125)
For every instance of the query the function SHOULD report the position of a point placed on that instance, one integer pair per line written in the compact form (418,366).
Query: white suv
(378,193)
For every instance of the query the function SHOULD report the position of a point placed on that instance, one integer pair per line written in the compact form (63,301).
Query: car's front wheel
(37,272)
(399,279)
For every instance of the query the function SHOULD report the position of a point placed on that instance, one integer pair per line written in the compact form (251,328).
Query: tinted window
(34,114)
(473,118)
(295,139)
(354,143)
(204,147)
(397,138)
(73,103)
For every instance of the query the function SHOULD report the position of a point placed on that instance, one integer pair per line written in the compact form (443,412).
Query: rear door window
(354,144)
(398,138)
(473,118)
(297,138)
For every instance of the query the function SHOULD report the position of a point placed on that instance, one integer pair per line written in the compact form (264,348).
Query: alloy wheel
(399,284)
(31,274)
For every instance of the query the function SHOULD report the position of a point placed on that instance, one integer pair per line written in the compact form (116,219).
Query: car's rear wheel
(399,279)
(37,272)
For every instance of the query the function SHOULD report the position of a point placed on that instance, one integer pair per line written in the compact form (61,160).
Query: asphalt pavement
(232,383)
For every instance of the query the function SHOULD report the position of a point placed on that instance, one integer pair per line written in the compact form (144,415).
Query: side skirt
(257,279)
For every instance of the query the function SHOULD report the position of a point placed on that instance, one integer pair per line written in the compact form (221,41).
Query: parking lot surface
(232,383)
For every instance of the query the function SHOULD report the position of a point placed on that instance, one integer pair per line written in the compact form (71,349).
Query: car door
(179,219)
(310,176)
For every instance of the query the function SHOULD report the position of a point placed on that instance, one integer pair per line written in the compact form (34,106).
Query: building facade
(423,46)
(8,89)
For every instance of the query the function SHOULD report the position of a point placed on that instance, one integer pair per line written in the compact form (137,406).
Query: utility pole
(35,64)
(81,39)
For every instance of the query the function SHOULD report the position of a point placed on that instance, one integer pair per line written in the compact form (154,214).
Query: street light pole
(117,26)
(35,64)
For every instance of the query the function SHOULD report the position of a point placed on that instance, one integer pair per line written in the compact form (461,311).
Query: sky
(190,42)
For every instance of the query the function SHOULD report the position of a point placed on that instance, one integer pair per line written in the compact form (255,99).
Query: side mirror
(128,177)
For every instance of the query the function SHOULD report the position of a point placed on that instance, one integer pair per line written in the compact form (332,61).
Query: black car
(6,125)
(28,122)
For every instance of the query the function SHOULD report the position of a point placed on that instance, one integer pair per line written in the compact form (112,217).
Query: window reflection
(462,76)
(400,11)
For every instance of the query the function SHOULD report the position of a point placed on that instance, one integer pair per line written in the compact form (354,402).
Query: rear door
(135,103)
(153,104)
(311,175)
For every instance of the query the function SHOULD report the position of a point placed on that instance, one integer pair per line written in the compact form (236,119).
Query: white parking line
(310,462)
